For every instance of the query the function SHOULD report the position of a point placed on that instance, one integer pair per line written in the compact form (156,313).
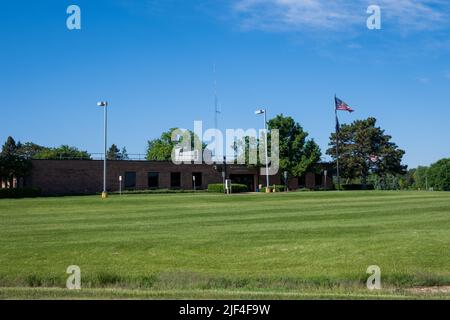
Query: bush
(19,193)
(357,187)
(235,188)
(238,188)
(216,187)
(278,188)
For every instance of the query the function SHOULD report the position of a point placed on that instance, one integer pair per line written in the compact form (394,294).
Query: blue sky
(153,61)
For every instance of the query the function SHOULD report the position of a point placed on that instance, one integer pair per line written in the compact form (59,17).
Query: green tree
(420,178)
(244,148)
(113,153)
(12,164)
(29,149)
(439,175)
(406,181)
(124,154)
(63,152)
(385,182)
(161,149)
(365,149)
(297,153)
(10,148)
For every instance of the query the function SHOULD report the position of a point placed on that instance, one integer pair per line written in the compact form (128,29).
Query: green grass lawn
(286,246)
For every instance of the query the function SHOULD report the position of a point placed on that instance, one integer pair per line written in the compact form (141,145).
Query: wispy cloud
(423,80)
(338,15)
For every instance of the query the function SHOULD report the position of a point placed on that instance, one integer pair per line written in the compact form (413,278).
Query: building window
(153,180)
(319,179)
(246,179)
(302,181)
(130,180)
(198,179)
(175,179)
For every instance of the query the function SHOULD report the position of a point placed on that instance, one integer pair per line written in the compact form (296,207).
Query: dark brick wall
(69,177)
(66,177)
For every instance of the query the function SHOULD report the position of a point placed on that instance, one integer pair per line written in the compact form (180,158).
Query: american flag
(341,105)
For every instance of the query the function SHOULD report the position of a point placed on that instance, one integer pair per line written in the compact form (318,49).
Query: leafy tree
(407,180)
(385,182)
(63,152)
(420,178)
(439,175)
(161,149)
(364,149)
(297,154)
(124,154)
(12,164)
(29,149)
(9,149)
(113,153)
(244,148)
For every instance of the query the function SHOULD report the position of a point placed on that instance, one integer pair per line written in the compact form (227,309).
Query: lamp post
(286,182)
(259,112)
(104,104)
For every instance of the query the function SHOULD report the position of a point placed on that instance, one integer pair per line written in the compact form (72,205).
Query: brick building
(70,177)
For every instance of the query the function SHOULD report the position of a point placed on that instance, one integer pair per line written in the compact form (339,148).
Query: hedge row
(235,188)
(20,193)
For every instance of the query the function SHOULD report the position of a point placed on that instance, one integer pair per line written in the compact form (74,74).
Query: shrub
(216,187)
(219,188)
(20,193)
(238,188)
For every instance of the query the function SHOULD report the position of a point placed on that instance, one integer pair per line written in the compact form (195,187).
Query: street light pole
(258,112)
(104,104)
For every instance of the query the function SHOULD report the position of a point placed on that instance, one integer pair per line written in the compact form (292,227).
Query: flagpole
(337,146)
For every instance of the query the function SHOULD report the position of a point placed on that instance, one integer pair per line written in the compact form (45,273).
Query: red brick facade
(68,177)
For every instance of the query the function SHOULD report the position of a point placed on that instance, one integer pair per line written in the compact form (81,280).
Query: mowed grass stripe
(370,214)
(320,238)
(202,211)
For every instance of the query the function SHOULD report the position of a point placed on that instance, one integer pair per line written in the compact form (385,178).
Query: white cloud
(338,15)
(423,80)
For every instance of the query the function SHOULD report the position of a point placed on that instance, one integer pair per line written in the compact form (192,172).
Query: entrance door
(246,179)
(197,180)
